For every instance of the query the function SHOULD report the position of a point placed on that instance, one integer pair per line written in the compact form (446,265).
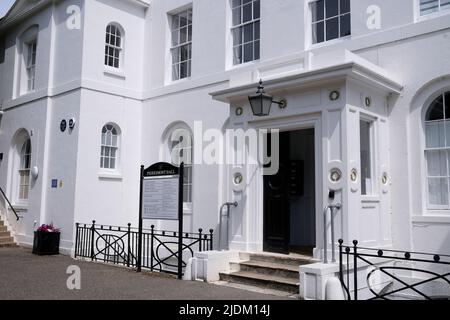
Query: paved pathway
(27,276)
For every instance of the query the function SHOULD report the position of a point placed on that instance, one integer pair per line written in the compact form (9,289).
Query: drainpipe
(221,215)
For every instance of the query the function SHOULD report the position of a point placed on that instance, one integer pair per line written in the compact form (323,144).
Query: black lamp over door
(262,102)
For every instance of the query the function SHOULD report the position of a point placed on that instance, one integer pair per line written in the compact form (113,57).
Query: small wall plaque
(334,95)
(63,125)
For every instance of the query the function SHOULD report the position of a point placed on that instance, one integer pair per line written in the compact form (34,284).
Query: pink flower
(48,228)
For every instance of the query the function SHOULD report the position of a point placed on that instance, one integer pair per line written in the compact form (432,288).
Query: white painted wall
(143,101)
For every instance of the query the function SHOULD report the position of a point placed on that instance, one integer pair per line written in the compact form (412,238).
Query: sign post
(161,198)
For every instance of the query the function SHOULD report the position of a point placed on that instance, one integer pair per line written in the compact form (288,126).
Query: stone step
(264,281)
(6,240)
(3,228)
(292,260)
(5,234)
(8,245)
(2,223)
(267,268)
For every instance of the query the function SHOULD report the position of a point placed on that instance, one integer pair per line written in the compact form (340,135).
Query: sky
(4,6)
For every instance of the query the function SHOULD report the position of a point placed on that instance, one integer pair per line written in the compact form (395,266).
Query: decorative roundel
(239,111)
(72,123)
(354,175)
(368,102)
(238,178)
(335,175)
(385,178)
(334,95)
(63,125)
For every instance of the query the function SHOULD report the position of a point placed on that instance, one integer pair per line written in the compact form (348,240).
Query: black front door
(276,201)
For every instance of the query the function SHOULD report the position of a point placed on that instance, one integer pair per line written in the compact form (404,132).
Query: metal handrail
(332,209)
(228,205)
(9,203)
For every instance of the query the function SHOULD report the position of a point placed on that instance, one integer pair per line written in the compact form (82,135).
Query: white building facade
(367,86)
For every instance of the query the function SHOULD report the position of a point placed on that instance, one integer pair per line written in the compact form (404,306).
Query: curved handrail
(9,203)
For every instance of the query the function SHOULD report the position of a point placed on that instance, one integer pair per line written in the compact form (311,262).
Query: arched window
(24,170)
(109,158)
(437,152)
(180,146)
(113,46)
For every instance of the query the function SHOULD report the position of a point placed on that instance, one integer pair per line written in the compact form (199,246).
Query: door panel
(276,202)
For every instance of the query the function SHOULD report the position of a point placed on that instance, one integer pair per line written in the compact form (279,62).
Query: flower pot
(46,243)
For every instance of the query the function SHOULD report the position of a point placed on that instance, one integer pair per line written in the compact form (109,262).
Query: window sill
(244,64)
(432,15)
(173,82)
(319,45)
(444,218)
(20,207)
(110,176)
(117,73)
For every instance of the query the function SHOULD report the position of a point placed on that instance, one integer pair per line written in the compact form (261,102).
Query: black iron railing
(9,203)
(391,265)
(119,245)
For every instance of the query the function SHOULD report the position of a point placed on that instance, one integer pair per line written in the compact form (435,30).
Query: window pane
(184,53)
(345,6)
(183,70)
(438,191)
(428,6)
(317,10)
(447,104)
(436,110)
(236,3)
(257,50)
(257,37)
(435,134)
(237,36)
(366,161)
(183,19)
(445,4)
(345,25)
(437,163)
(248,52)
(237,16)
(318,32)
(257,9)
(183,35)
(332,8)
(247,13)
(248,33)
(237,55)
(332,27)
(175,72)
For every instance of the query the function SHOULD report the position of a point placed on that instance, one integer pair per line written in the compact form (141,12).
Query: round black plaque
(63,125)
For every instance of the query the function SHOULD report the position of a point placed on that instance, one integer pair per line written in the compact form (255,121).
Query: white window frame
(433,207)
(105,146)
(242,24)
(373,192)
(30,64)
(26,61)
(24,171)
(310,25)
(440,11)
(178,45)
(113,46)
(168,143)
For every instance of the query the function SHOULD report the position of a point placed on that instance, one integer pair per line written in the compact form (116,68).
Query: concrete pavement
(27,276)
